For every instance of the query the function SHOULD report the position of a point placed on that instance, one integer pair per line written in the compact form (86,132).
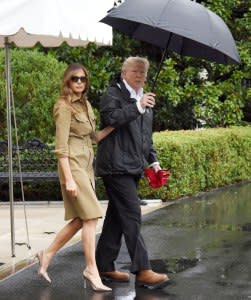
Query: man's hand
(156,167)
(147,100)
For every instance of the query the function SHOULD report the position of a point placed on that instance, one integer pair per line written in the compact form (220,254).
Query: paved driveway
(204,243)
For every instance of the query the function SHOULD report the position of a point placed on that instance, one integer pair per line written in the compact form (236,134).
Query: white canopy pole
(9,127)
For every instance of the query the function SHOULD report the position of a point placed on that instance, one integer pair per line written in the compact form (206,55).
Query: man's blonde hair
(135,60)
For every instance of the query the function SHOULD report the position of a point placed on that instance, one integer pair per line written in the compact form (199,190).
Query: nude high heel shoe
(96,286)
(40,271)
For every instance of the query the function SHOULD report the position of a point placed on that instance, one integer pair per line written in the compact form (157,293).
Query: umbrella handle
(161,63)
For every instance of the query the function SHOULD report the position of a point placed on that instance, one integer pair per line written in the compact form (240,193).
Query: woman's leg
(89,244)
(64,235)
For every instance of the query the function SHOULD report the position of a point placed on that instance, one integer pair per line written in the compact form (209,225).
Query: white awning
(51,22)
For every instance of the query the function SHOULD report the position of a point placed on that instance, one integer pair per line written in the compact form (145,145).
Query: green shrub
(201,160)
(36,84)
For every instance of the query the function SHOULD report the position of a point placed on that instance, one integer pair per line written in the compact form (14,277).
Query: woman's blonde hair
(135,60)
(66,91)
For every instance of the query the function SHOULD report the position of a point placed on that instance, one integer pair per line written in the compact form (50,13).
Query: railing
(38,162)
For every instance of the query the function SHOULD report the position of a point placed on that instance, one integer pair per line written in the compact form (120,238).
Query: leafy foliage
(185,99)
(36,84)
(200,160)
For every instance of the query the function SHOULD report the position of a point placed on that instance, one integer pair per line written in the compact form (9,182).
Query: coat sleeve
(152,157)
(113,113)
(62,118)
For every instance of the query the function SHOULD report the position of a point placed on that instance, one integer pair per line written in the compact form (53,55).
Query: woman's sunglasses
(81,78)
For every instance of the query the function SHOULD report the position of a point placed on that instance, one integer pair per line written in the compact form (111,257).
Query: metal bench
(38,162)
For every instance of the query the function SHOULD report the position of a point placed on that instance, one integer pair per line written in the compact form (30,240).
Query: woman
(75,132)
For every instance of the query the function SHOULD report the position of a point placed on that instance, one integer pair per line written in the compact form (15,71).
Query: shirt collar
(76,98)
(132,92)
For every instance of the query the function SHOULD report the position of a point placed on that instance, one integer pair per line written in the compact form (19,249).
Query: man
(120,161)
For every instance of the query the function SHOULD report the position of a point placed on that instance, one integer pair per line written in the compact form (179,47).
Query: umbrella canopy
(52,22)
(182,26)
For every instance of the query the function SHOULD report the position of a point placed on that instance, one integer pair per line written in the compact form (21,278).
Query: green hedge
(200,160)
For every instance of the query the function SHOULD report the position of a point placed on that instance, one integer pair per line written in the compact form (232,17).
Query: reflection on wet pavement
(120,292)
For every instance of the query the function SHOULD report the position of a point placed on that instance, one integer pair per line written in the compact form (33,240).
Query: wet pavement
(44,220)
(204,243)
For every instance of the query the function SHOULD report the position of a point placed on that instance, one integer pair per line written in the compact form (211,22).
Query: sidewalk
(45,219)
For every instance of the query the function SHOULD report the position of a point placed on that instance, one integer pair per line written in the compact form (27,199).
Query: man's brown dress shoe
(151,280)
(115,276)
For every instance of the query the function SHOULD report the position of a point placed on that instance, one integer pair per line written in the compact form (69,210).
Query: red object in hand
(156,179)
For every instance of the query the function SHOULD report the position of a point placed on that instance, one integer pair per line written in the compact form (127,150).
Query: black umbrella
(182,26)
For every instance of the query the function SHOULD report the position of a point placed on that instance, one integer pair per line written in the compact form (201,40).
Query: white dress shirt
(136,95)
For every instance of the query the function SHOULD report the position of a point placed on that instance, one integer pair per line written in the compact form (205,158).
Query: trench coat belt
(81,141)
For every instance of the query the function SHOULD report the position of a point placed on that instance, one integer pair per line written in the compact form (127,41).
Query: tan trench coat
(75,127)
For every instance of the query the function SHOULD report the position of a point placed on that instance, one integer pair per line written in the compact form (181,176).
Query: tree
(36,84)
(184,97)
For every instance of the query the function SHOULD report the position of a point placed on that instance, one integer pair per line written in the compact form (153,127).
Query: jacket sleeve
(112,112)
(152,155)
(62,117)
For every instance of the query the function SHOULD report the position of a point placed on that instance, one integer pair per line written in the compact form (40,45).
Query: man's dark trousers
(123,217)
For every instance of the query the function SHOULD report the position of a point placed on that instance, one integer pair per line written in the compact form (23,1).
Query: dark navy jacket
(128,149)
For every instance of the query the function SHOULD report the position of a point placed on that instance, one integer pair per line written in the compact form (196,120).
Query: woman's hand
(70,184)
(100,135)
(71,188)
